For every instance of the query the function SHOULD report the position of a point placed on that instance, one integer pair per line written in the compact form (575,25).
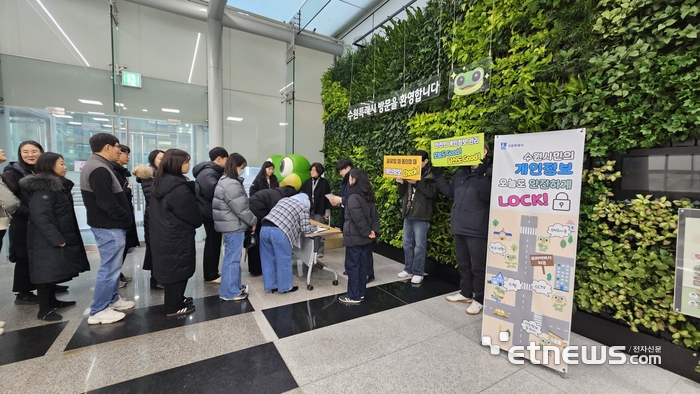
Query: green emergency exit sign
(131,79)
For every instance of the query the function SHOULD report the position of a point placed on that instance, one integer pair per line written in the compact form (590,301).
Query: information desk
(308,252)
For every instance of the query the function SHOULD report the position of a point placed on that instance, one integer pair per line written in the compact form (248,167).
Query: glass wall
(69,134)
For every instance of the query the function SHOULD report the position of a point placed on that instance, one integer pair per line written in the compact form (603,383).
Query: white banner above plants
(532,242)
(399,99)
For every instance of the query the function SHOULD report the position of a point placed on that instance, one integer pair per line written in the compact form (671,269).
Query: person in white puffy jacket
(232,217)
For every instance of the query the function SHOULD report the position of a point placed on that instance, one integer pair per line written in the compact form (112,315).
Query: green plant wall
(626,70)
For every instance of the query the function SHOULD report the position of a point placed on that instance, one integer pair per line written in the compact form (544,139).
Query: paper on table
(320,229)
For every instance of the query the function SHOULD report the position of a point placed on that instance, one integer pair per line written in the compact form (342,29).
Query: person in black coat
(123,175)
(56,250)
(360,228)
(266,179)
(28,153)
(207,175)
(261,204)
(174,219)
(144,175)
(469,224)
(316,188)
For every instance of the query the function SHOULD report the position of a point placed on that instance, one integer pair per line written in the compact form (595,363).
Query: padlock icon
(561,202)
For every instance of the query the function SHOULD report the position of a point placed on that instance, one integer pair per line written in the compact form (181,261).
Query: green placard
(131,79)
(457,151)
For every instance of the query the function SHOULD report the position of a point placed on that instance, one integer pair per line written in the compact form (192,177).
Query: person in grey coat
(232,217)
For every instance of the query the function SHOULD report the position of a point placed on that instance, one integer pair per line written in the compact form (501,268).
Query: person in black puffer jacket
(418,206)
(471,189)
(28,153)
(360,228)
(207,175)
(56,250)
(174,219)
(266,179)
(123,175)
(144,175)
(261,204)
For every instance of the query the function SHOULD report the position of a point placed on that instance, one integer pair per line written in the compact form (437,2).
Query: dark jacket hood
(207,164)
(168,182)
(123,171)
(45,182)
(16,166)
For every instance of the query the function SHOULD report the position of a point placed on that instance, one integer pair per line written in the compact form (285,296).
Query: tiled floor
(403,338)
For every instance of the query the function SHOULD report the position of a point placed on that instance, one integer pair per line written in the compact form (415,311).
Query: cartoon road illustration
(547,327)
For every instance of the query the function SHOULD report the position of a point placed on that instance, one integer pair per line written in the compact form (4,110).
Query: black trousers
(471,261)
(356,264)
(47,297)
(22,282)
(254,262)
(212,251)
(174,296)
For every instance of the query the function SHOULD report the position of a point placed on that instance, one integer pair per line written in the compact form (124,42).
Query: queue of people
(47,248)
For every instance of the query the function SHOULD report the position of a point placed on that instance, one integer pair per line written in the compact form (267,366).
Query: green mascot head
(291,170)
(469,82)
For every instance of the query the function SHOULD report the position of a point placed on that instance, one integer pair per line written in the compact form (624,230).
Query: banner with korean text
(531,255)
(466,150)
(414,93)
(406,167)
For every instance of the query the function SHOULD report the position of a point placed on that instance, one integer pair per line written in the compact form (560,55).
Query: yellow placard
(406,167)
(457,151)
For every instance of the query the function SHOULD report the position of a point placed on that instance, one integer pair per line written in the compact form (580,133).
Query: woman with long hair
(174,218)
(56,250)
(316,188)
(232,218)
(360,228)
(28,153)
(266,178)
(144,175)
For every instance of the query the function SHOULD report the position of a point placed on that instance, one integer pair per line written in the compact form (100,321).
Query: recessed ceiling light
(106,125)
(233,118)
(283,124)
(92,102)
(64,116)
(75,123)
(101,119)
(96,113)
(144,110)
(175,111)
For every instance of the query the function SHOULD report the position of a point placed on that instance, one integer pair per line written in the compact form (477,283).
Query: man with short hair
(343,167)
(207,175)
(108,216)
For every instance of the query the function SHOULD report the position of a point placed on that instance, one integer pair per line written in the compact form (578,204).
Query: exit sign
(131,79)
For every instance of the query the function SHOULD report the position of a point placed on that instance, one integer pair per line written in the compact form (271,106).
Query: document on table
(320,229)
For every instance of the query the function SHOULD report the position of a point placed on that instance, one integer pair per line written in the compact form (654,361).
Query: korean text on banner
(533,229)
(457,151)
(406,167)
(686,295)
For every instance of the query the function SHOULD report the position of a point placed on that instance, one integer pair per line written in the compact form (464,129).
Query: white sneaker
(215,281)
(2,324)
(475,308)
(417,279)
(122,304)
(106,316)
(404,275)
(458,298)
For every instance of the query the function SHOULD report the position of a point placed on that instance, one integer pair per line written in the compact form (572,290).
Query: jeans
(212,251)
(415,245)
(471,261)
(356,265)
(110,243)
(276,256)
(231,269)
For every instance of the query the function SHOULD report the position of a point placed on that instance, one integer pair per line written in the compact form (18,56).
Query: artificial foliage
(626,70)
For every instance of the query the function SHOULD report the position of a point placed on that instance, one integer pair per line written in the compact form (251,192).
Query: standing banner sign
(686,295)
(466,150)
(406,167)
(531,254)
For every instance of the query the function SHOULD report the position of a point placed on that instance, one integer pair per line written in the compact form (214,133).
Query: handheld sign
(457,151)
(406,167)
